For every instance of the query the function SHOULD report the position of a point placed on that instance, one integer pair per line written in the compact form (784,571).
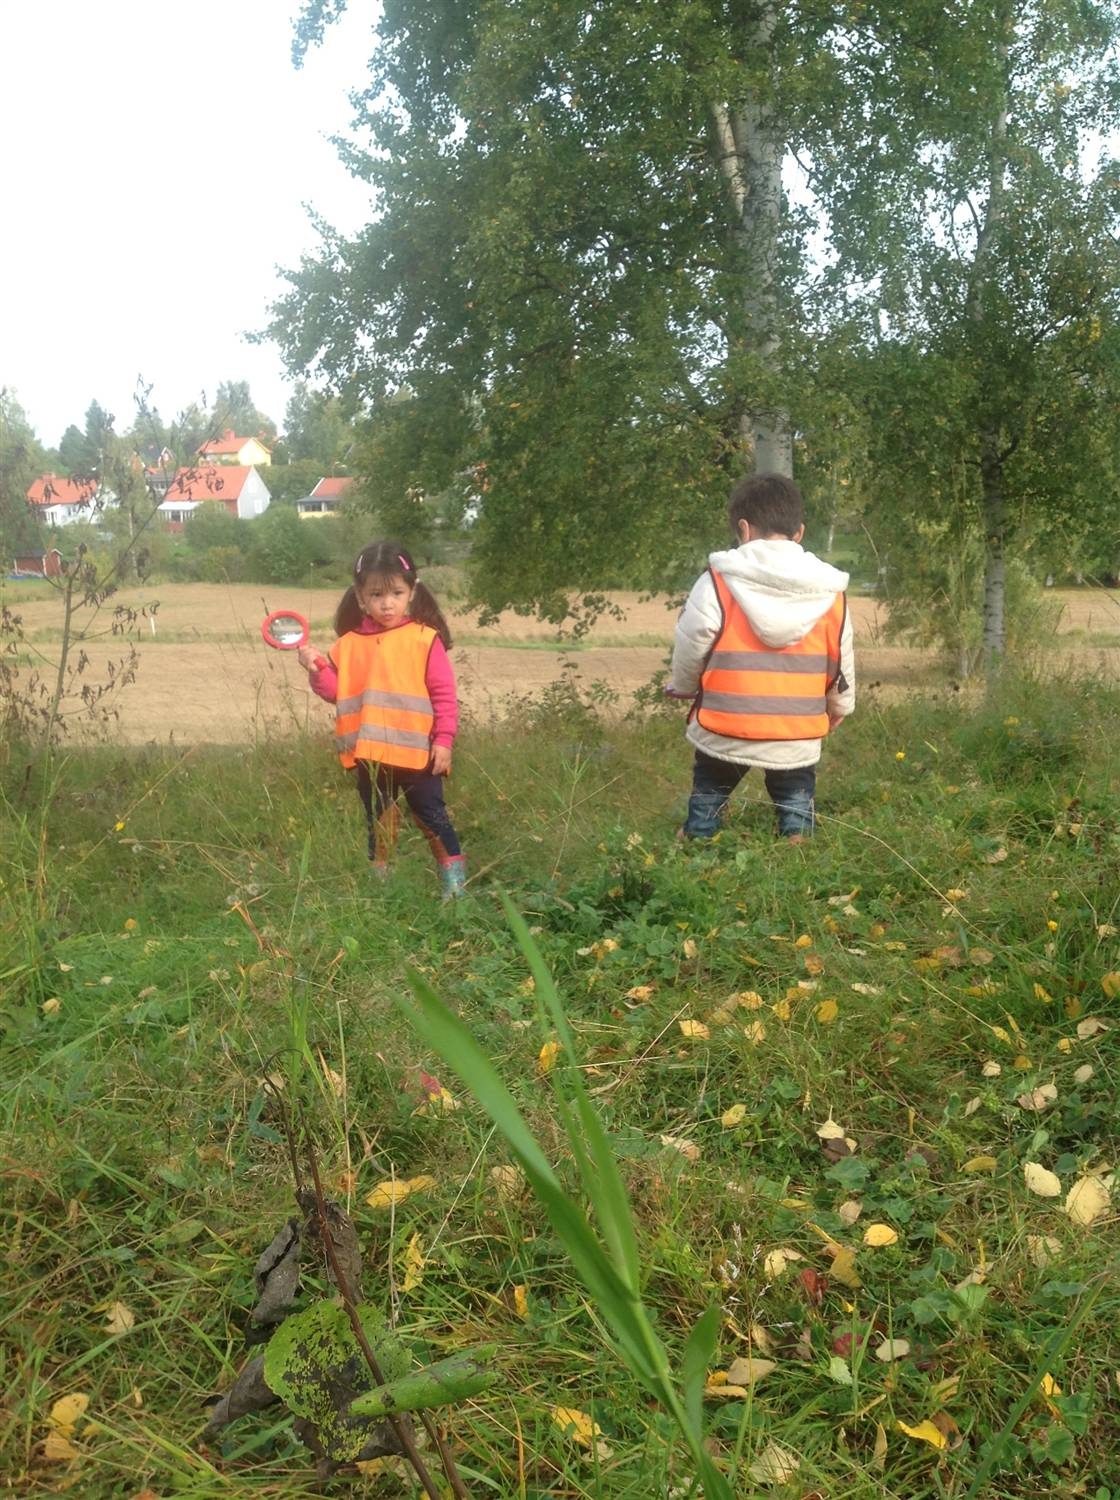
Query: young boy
(764,648)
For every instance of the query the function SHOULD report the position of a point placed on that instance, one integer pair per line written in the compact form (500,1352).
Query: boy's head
(766,505)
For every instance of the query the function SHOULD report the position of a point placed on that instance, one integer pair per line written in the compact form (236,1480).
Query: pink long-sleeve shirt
(439,679)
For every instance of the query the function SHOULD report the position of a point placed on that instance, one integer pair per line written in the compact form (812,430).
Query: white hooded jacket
(783,591)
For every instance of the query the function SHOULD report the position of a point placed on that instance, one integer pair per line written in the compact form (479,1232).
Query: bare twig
(401,1426)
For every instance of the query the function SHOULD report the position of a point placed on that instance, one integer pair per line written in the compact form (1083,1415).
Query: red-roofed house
(325,498)
(56,500)
(231,449)
(236,486)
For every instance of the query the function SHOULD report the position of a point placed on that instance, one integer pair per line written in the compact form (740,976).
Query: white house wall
(254,497)
(63,515)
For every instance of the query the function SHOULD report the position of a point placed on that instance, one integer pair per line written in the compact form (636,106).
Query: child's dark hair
(769,503)
(382,562)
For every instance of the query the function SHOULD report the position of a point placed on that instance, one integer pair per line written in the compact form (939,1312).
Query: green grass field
(937,975)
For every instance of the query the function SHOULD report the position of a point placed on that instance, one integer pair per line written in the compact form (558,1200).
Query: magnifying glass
(286,630)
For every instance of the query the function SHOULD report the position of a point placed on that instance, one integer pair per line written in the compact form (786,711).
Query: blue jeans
(713,781)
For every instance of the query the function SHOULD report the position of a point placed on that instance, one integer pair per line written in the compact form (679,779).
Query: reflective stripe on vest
(749,691)
(383,712)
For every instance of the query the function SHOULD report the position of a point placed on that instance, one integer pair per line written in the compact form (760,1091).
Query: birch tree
(582,267)
(983,216)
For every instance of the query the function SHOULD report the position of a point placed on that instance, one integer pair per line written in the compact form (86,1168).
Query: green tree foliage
(234,408)
(292,481)
(191,429)
(80,449)
(282,548)
(74,453)
(586,276)
(21,459)
(986,227)
(583,272)
(316,429)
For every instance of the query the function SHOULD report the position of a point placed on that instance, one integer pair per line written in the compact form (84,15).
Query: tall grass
(155,973)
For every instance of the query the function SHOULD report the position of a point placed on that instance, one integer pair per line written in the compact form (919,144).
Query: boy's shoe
(452,877)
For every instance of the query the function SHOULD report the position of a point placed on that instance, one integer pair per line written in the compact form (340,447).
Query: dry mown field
(205,675)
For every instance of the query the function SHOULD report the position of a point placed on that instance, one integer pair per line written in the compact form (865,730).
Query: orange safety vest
(382,711)
(751,691)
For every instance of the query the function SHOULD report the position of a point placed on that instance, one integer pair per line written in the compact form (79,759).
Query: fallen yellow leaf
(1043,1248)
(121,1319)
(695,1030)
(733,1116)
(830,1130)
(849,1212)
(509,1182)
(396,1189)
(781,1009)
(892,1349)
(747,1000)
(878,1235)
(1087,1199)
(981,1164)
(413,1264)
(547,1056)
(1091,1026)
(688,1149)
(925,1432)
(748,1371)
(576,1424)
(1110,984)
(521,1302)
(827,1011)
(844,1268)
(67,1412)
(774,1465)
(879,1454)
(778,1261)
(58,1449)
(1040,1181)
(1038,1099)
(755,1033)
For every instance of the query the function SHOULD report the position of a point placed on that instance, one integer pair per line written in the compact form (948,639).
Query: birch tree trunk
(993,453)
(994,509)
(748,147)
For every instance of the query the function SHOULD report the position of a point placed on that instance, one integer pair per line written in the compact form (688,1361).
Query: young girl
(396,711)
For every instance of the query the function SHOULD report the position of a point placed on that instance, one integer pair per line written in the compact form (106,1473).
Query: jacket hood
(782,589)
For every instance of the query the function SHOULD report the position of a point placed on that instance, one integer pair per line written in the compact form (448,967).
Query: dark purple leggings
(379,786)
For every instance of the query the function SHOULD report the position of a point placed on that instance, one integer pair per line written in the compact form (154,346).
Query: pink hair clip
(405,564)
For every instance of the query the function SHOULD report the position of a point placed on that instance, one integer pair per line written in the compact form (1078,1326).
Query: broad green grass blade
(695,1361)
(602,1181)
(447,1035)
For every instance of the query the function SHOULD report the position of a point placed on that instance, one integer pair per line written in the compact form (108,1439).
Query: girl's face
(385,600)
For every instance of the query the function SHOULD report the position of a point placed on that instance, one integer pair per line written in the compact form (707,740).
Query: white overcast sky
(156,158)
